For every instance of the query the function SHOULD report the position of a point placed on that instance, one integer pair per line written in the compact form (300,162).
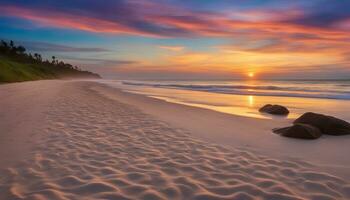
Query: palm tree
(4,44)
(12,44)
(21,49)
(53,59)
(37,57)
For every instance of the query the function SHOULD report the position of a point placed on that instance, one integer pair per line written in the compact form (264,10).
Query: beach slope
(90,145)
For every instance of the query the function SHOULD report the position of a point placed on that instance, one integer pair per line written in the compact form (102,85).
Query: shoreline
(242,105)
(239,131)
(94,141)
(245,88)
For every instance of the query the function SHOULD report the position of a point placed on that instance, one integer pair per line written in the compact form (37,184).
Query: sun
(251,74)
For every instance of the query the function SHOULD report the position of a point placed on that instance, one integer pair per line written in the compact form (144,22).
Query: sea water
(245,97)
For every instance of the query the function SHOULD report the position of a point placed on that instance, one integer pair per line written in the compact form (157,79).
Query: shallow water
(245,98)
(307,89)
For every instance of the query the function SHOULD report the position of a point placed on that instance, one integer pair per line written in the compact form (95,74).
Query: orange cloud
(172,48)
(254,23)
(71,21)
(262,40)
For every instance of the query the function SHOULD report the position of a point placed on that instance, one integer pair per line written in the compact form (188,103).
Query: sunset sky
(187,39)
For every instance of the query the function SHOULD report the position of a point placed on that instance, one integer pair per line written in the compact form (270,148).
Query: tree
(21,49)
(12,44)
(53,59)
(18,54)
(4,47)
(30,56)
(37,57)
(4,44)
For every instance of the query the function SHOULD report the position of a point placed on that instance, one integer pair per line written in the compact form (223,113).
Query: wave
(309,91)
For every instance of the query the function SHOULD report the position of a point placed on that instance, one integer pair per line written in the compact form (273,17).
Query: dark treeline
(61,69)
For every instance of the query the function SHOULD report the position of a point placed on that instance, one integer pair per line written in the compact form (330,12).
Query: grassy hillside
(12,71)
(15,72)
(17,66)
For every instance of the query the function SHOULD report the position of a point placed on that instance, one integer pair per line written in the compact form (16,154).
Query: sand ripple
(97,148)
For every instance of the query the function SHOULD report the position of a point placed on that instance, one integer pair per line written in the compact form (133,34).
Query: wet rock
(274,109)
(302,131)
(326,124)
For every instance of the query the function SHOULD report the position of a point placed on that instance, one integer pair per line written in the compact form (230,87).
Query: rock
(302,131)
(274,109)
(327,124)
(265,108)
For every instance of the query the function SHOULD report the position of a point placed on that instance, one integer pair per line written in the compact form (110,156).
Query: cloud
(102,62)
(272,34)
(49,47)
(172,48)
(160,18)
(325,14)
(113,17)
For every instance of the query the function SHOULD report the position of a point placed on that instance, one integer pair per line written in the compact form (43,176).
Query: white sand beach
(85,140)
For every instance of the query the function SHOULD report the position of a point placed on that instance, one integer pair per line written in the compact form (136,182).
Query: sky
(187,39)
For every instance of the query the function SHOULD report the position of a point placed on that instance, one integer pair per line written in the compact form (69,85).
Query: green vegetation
(16,66)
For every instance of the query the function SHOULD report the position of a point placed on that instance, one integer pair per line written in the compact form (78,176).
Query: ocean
(244,98)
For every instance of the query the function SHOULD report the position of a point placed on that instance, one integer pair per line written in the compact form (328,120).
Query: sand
(91,145)
(243,132)
(21,111)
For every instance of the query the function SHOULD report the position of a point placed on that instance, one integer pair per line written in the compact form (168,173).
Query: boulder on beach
(327,124)
(302,131)
(274,109)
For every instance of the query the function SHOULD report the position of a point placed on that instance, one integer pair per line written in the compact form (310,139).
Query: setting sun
(251,74)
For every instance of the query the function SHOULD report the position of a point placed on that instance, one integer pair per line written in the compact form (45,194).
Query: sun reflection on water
(251,100)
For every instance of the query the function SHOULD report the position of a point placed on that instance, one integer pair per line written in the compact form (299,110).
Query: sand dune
(93,147)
